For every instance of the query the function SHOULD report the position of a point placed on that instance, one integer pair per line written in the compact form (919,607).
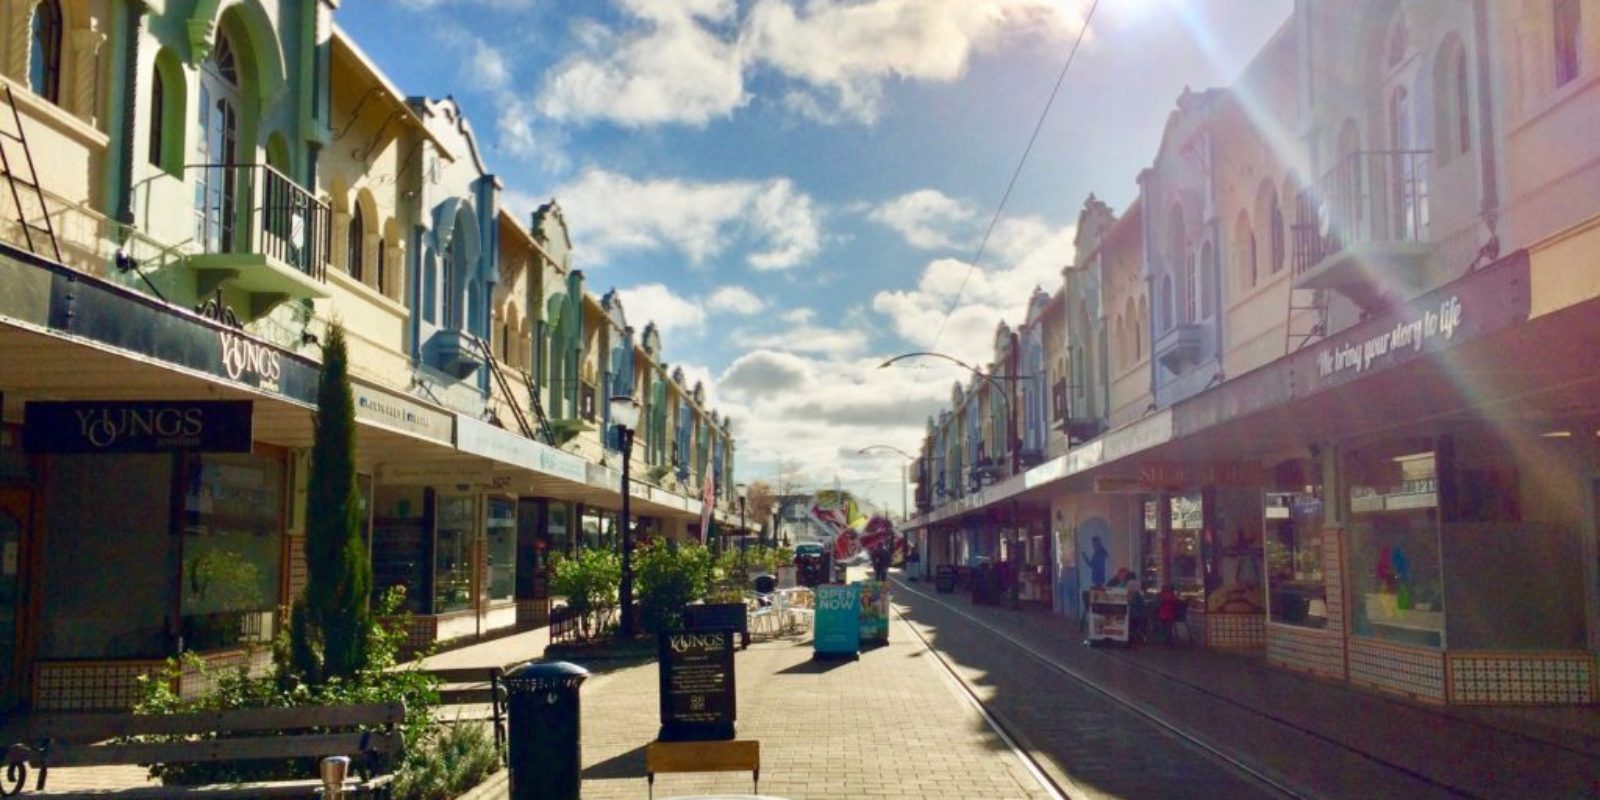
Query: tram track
(1263,777)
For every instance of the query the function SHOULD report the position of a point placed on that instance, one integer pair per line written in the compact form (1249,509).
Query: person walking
(880,562)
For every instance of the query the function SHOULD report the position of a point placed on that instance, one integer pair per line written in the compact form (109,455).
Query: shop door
(13,528)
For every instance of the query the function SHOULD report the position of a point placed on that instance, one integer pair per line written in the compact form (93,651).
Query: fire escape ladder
(505,387)
(46,230)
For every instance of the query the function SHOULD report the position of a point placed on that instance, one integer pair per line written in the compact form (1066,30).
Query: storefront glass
(452,554)
(232,549)
(1396,579)
(1187,558)
(108,516)
(400,542)
(1298,594)
(500,548)
(559,527)
(1153,557)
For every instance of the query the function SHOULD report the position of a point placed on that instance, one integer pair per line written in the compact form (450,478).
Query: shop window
(157,109)
(232,550)
(84,614)
(1396,577)
(44,56)
(1297,593)
(1152,567)
(452,554)
(1187,556)
(500,549)
(400,541)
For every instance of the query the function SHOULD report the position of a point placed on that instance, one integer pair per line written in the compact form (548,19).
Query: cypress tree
(330,639)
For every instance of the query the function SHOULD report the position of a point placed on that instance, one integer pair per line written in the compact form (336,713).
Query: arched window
(1567,16)
(1191,291)
(383,272)
(1275,221)
(44,56)
(1452,100)
(430,289)
(355,243)
(158,104)
(448,280)
(1168,302)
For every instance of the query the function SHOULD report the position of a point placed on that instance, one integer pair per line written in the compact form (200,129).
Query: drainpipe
(132,26)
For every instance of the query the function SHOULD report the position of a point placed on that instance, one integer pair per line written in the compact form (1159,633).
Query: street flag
(708,501)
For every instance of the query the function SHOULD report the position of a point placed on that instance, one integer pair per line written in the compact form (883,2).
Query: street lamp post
(744,545)
(904,472)
(1013,436)
(625,415)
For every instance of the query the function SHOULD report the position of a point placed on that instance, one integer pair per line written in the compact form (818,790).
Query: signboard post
(838,621)
(874,614)
(698,701)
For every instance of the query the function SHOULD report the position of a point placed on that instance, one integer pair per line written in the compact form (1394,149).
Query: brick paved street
(890,725)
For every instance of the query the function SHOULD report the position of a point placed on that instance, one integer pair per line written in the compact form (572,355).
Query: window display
(452,554)
(1397,582)
(1152,567)
(500,549)
(1187,559)
(1298,594)
(232,550)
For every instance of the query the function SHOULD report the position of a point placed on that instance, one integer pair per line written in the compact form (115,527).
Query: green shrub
(450,760)
(589,581)
(376,681)
(669,576)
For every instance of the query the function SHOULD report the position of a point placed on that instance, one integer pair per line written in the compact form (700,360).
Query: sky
(796,190)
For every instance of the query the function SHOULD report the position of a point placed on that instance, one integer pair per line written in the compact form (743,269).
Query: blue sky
(794,189)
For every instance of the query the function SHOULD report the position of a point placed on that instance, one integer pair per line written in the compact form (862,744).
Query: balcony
(456,352)
(260,233)
(1179,347)
(1364,232)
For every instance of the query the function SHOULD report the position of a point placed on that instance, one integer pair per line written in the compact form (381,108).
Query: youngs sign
(139,426)
(244,357)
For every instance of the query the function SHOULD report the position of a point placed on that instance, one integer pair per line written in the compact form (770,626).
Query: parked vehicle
(811,563)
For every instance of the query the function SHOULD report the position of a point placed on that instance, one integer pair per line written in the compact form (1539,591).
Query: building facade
(218,181)
(1347,365)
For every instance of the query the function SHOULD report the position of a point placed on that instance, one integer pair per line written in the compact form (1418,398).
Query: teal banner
(838,620)
(873,617)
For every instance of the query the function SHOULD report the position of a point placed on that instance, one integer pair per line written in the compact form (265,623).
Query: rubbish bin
(546,760)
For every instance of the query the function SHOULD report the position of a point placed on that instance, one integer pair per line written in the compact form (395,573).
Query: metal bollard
(334,770)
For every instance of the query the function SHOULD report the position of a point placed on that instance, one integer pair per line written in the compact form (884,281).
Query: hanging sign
(138,426)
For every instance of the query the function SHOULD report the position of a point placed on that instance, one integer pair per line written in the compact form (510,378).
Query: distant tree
(329,632)
(761,500)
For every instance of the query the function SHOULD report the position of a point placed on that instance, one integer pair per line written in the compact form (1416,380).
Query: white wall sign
(388,410)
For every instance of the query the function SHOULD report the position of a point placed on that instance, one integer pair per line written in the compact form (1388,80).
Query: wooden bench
(723,756)
(371,739)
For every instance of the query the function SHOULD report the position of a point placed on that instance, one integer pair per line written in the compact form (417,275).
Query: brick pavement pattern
(889,725)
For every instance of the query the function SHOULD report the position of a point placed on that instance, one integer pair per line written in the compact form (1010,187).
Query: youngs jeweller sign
(140,426)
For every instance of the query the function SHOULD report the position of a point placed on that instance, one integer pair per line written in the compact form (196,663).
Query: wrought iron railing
(1370,196)
(253,208)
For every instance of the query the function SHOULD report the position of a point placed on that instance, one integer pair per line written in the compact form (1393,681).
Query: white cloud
(501,4)
(928,219)
(667,309)
(1023,254)
(688,61)
(488,66)
(735,300)
(674,69)
(612,213)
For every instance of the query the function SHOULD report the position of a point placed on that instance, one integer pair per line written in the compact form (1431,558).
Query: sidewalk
(1319,738)
(889,725)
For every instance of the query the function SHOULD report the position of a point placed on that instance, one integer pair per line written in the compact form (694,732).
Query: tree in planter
(330,622)
(671,576)
(589,581)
